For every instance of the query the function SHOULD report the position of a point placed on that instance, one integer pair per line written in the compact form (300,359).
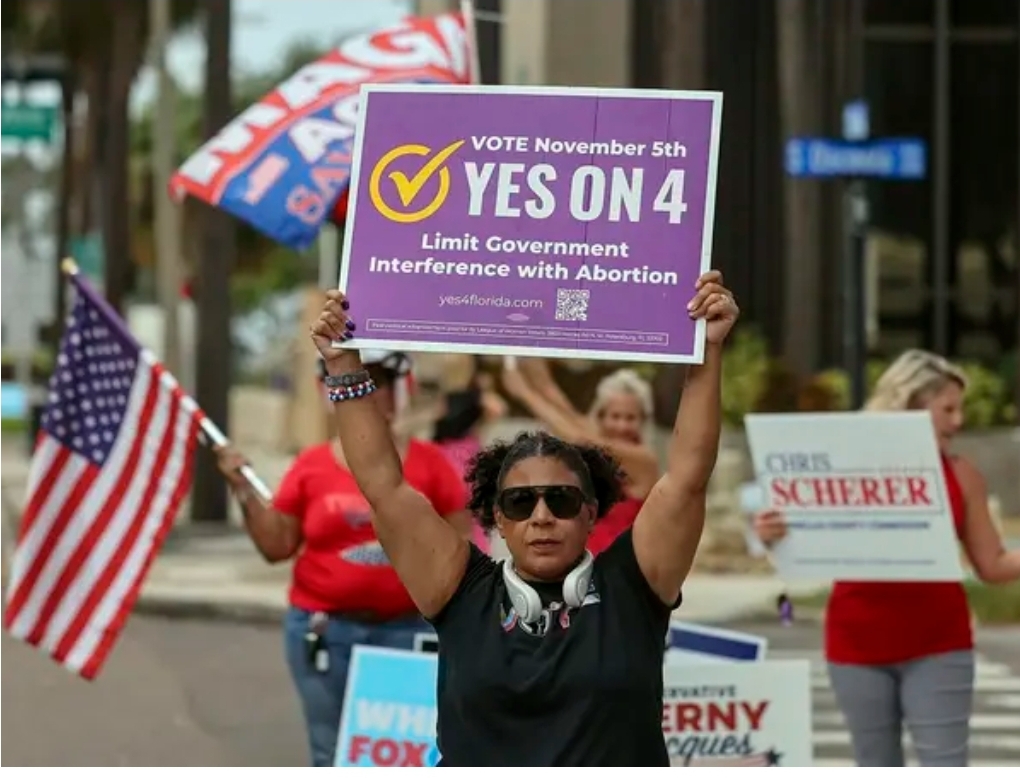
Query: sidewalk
(214,571)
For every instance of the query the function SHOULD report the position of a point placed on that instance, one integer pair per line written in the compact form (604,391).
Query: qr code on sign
(572,304)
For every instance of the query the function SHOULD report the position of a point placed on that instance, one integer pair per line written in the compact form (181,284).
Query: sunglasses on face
(519,502)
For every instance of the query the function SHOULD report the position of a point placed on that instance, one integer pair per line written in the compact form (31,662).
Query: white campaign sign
(863,494)
(738,714)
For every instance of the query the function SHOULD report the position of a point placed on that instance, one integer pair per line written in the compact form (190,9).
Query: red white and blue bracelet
(349,386)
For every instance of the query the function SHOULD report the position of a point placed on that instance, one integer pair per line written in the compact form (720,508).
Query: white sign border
(629,355)
(790,571)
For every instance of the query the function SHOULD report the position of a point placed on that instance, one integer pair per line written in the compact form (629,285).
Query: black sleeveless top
(587,693)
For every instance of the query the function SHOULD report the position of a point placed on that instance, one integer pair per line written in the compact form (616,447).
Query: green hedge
(757,382)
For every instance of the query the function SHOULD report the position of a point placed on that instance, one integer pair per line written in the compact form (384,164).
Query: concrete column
(563,42)
(435,7)
(800,114)
(682,43)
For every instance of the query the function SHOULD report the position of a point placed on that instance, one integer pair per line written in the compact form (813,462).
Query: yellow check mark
(408,189)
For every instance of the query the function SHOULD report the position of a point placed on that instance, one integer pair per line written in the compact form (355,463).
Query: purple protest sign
(531,221)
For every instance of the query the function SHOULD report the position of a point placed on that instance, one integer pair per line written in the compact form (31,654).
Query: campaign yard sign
(389,716)
(730,713)
(738,714)
(864,495)
(686,643)
(531,221)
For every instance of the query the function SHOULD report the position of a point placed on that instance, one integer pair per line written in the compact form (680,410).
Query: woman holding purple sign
(553,657)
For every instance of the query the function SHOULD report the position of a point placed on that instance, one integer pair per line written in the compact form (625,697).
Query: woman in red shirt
(617,421)
(343,589)
(903,652)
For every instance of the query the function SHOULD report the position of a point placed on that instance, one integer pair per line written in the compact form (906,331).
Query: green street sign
(28,122)
(88,251)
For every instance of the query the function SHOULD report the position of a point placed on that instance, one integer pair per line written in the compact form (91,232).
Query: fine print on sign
(863,495)
(531,221)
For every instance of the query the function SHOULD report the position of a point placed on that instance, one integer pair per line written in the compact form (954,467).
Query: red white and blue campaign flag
(283,165)
(111,466)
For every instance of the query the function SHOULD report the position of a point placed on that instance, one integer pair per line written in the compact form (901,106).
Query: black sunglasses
(519,502)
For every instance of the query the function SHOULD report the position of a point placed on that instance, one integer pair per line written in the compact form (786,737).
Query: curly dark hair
(599,473)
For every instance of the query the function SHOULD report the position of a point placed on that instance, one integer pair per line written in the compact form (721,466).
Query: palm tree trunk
(94,76)
(213,288)
(67,188)
(125,53)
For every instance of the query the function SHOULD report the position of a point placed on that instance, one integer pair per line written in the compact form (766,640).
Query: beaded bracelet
(341,394)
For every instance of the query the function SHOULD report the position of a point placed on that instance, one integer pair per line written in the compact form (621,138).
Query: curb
(171,607)
(754,615)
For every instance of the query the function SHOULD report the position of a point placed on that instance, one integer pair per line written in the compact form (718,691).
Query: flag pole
(470,13)
(467,8)
(211,435)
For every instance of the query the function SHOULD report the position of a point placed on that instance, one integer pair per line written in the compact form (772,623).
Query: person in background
(902,652)
(618,420)
(458,431)
(344,591)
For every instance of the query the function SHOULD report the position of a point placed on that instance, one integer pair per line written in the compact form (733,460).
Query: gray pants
(933,695)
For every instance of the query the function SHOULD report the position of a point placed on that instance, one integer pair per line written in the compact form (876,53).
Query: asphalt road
(174,693)
(192,693)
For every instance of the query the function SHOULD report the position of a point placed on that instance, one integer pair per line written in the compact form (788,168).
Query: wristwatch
(347,379)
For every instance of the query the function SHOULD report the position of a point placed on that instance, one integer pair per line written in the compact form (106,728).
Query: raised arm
(559,416)
(668,528)
(428,553)
(537,371)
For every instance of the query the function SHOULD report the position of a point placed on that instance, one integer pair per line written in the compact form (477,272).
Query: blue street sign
(856,121)
(896,158)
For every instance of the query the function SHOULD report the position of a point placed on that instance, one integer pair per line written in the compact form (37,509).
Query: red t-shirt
(341,567)
(618,520)
(880,622)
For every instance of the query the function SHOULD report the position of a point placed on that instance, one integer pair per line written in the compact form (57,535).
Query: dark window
(983,191)
(899,86)
(899,11)
(984,13)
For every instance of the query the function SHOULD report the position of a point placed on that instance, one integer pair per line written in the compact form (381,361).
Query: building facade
(943,254)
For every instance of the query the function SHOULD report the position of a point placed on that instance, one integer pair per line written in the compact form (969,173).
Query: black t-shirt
(588,693)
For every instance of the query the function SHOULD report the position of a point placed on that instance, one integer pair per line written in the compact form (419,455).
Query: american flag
(110,469)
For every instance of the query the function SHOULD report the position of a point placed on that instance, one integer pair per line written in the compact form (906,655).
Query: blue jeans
(322,694)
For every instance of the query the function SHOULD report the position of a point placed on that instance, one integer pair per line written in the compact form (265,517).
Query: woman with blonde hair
(902,652)
(619,421)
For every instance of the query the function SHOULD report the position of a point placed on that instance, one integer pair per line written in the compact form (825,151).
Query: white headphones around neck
(527,603)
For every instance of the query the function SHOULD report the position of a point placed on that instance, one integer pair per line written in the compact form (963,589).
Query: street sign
(28,122)
(88,251)
(894,158)
(856,121)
